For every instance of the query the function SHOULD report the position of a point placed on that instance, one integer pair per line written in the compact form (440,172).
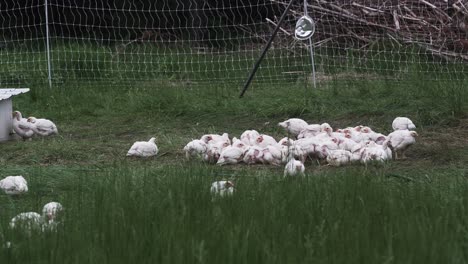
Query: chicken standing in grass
(143,148)
(21,126)
(14,185)
(42,127)
(400,141)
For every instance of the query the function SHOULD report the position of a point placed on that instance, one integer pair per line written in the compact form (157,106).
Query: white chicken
(293,168)
(325,127)
(14,185)
(144,148)
(400,141)
(214,139)
(239,144)
(253,155)
(310,131)
(376,137)
(374,152)
(230,155)
(345,143)
(338,157)
(42,127)
(293,125)
(50,212)
(271,155)
(366,129)
(249,137)
(28,221)
(403,123)
(285,141)
(21,126)
(264,141)
(222,188)
(291,148)
(308,146)
(33,221)
(214,151)
(195,148)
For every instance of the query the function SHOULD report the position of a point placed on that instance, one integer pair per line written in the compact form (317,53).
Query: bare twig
(428,4)
(282,29)
(395,20)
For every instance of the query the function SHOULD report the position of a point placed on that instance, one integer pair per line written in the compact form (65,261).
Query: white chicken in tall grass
(294,168)
(50,211)
(222,188)
(30,221)
(14,185)
(27,221)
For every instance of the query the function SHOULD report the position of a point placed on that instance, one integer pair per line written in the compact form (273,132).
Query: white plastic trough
(6,109)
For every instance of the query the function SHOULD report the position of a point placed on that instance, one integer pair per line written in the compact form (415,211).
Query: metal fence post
(49,69)
(311,45)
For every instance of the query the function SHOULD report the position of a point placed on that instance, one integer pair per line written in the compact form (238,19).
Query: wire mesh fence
(194,42)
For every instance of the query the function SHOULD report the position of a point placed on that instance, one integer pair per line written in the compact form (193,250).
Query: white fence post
(311,49)
(49,69)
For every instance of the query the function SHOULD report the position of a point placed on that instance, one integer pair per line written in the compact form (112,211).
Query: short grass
(159,210)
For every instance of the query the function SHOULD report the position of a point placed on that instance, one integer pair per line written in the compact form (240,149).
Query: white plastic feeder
(6,110)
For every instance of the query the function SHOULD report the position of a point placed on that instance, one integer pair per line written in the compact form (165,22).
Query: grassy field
(159,210)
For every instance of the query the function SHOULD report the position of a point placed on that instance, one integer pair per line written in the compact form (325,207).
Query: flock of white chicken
(26,128)
(343,146)
(16,186)
(316,141)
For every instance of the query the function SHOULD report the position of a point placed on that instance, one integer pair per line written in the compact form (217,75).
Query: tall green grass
(167,215)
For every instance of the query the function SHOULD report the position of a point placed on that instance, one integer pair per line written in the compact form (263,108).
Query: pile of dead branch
(438,26)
